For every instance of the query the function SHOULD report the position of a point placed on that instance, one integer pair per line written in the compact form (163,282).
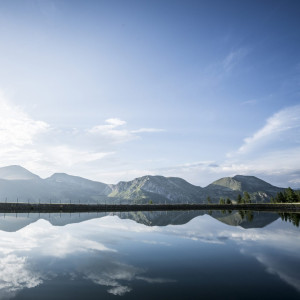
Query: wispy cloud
(276,126)
(36,145)
(45,149)
(271,153)
(249,102)
(155,280)
(234,58)
(142,130)
(218,71)
(16,127)
(113,131)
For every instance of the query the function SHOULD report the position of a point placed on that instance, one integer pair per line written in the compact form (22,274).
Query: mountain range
(19,184)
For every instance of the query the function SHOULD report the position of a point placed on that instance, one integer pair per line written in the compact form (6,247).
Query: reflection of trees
(226,211)
(293,218)
(246,214)
(249,215)
(242,214)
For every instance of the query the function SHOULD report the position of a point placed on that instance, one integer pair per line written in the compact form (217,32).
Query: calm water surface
(158,255)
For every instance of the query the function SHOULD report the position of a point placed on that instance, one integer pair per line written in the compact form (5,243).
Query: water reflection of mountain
(248,219)
(14,222)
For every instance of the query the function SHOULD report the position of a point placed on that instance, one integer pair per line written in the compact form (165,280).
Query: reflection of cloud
(119,290)
(156,243)
(110,273)
(15,275)
(205,240)
(114,274)
(61,246)
(41,236)
(285,269)
(155,280)
(42,240)
(96,241)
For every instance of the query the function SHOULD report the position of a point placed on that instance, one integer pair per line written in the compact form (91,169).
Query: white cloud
(112,131)
(271,153)
(110,128)
(64,155)
(141,130)
(278,168)
(278,127)
(115,122)
(44,149)
(16,127)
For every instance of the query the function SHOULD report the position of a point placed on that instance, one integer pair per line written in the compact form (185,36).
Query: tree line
(287,196)
(245,199)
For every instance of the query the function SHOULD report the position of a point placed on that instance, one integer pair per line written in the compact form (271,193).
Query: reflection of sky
(120,254)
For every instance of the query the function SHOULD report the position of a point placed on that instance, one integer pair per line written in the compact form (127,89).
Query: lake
(150,255)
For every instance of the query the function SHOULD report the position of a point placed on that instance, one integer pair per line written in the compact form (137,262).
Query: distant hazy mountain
(77,188)
(16,173)
(21,185)
(18,183)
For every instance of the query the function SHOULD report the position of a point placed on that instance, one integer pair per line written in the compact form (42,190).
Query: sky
(114,90)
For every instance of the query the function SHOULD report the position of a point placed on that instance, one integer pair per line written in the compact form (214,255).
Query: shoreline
(65,207)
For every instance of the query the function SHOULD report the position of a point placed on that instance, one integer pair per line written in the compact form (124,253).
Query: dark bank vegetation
(287,196)
(240,200)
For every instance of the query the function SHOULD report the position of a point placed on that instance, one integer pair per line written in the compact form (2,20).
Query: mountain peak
(244,183)
(16,172)
(66,178)
(168,188)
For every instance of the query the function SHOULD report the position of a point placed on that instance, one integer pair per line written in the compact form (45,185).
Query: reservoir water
(150,255)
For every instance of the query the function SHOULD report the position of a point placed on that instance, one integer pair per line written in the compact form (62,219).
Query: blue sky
(113,90)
